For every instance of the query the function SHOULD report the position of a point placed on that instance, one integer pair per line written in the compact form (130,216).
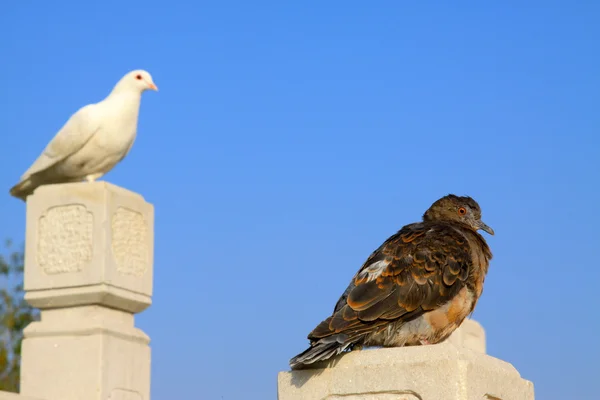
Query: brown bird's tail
(321,350)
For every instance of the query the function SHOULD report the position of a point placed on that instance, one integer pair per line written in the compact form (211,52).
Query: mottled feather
(417,287)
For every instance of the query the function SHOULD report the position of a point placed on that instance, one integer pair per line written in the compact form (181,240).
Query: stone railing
(457,369)
(88,268)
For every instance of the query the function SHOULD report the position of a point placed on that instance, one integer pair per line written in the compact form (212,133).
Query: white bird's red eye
(138,77)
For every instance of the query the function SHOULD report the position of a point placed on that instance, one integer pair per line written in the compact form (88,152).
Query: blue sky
(289,140)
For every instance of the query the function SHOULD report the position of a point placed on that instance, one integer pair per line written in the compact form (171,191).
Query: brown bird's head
(460,209)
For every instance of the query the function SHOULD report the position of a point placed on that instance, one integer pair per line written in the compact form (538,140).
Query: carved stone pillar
(457,369)
(88,268)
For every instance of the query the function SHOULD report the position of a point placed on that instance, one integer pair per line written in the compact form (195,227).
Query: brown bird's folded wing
(418,269)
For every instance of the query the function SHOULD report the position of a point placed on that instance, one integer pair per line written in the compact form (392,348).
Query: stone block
(436,372)
(89,243)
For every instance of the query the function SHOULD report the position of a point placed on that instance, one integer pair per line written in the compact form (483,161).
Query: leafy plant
(15,315)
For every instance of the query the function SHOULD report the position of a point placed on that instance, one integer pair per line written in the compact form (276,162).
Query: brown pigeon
(415,289)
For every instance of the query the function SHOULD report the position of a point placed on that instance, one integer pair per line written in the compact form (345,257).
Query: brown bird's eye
(138,77)
(462,211)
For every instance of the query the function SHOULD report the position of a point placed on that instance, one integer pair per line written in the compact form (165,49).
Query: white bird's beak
(152,86)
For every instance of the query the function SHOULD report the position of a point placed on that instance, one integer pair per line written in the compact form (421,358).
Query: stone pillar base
(80,348)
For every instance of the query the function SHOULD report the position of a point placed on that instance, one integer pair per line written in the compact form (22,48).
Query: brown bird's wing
(418,269)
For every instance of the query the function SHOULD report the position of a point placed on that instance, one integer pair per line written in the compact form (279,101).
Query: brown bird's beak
(486,228)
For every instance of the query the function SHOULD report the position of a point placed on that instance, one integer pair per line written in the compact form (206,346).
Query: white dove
(94,139)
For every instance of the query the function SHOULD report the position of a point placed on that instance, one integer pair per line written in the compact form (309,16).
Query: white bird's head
(136,81)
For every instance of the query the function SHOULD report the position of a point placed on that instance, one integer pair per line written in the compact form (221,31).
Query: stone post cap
(88,243)
(433,372)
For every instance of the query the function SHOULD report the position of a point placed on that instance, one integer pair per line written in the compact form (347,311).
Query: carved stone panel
(64,239)
(130,242)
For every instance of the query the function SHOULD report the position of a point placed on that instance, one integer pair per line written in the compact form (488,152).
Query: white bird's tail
(28,185)
(23,189)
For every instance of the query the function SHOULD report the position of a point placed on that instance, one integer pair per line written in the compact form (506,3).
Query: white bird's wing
(70,138)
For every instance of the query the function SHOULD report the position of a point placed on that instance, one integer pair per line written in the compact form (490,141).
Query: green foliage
(15,314)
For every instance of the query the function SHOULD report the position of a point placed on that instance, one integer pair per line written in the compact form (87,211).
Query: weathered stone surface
(470,334)
(455,370)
